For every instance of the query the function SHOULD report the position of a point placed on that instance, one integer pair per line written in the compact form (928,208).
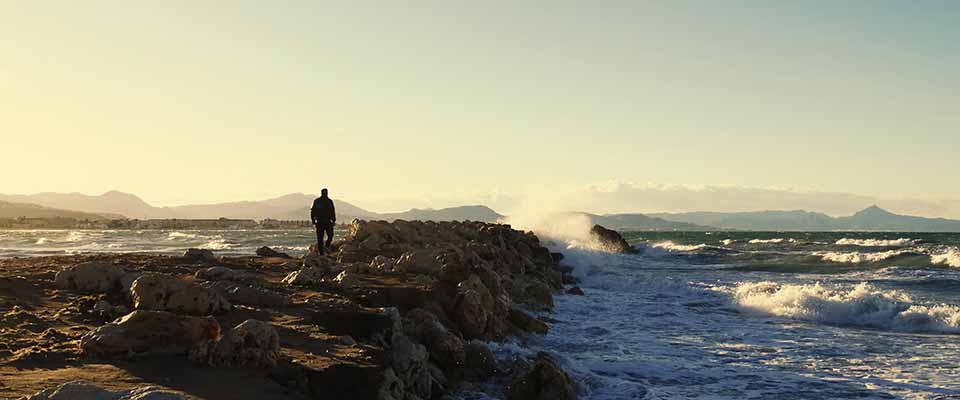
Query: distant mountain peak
(874,210)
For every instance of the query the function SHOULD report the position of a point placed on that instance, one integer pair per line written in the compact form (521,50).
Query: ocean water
(744,315)
(722,315)
(15,243)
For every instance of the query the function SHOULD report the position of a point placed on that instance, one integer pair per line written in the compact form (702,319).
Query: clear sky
(202,101)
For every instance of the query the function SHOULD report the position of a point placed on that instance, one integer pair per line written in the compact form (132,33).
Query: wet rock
(96,276)
(479,362)
(557,257)
(169,293)
(526,323)
(539,296)
(252,343)
(200,255)
(78,390)
(149,332)
(249,295)
(409,362)
(569,280)
(473,307)
(546,381)
(305,276)
(576,291)
(610,240)
(268,252)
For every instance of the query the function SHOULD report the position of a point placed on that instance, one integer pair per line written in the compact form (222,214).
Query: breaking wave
(860,305)
(770,241)
(950,258)
(181,235)
(671,246)
(902,242)
(856,258)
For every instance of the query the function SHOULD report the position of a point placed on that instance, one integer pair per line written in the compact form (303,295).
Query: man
(324,217)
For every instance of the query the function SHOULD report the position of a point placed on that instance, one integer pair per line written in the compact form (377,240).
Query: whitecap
(858,305)
(769,241)
(877,242)
(856,258)
(950,258)
(671,246)
(181,235)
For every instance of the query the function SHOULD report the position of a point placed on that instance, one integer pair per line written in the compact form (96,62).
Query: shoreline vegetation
(398,310)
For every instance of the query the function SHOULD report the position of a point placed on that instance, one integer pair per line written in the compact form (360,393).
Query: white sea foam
(877,242)
(769,241)
(671,246)
(727,242)
(856,258)
(859,305)
(950,258)
(42,240)
(181,235)
(217,244)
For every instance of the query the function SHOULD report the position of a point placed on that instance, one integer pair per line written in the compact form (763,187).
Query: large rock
(149,332)
(221,273)
(268,252)
(546,381)
(479,361)
(92,276)
(169,293)
(78,390)
(473,308)
(305,276)
(610,240)
(527,323)
(238,293)
(445,348)
(200,255)
(253,343)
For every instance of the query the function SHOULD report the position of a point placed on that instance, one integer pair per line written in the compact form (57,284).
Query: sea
(702,315)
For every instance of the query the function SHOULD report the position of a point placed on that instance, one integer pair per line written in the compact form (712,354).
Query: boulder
(382,265)
(253,343)
(109,311)
(346,280)
(169,293)
(444,347)
(92,276)
(546,381)
(479,361)
(318,261)
(200,255)
(409,362)
(473,307)
(238,293)
(527,323)
(305,276)
(220,273)
(149,332)
(610,240)
(78,390)
(268,252)
(576,291)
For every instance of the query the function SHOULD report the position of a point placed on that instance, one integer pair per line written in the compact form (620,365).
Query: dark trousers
(321,230)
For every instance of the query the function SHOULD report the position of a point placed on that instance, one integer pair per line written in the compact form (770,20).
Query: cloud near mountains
(625,197)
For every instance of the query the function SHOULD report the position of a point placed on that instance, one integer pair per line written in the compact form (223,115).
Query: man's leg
(329,231)
(320,248)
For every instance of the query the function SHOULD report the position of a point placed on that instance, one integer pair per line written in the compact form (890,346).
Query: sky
(434,103)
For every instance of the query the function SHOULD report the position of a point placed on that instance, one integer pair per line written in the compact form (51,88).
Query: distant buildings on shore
(220,223)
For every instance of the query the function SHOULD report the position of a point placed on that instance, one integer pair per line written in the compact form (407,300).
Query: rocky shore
(398,311)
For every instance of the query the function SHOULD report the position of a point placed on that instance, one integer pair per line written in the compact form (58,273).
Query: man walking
(324,217)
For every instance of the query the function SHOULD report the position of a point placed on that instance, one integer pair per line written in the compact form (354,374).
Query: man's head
(323,192)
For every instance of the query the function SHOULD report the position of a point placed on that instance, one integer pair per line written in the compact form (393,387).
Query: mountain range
(872,218)
(296,206)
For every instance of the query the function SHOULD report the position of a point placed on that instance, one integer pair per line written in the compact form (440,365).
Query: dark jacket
(322,212)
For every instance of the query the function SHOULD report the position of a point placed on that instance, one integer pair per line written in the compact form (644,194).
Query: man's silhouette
(324,217)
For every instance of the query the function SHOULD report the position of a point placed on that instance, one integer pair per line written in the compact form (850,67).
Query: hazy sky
(202,101)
